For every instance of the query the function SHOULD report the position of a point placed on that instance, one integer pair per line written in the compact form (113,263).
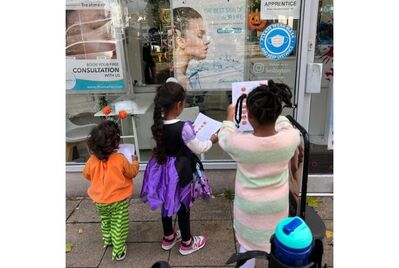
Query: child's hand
(134,158)
(214,138)
(231,109)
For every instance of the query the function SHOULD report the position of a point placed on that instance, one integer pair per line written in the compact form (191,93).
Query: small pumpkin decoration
(106,110)
(254,21)
(122,114)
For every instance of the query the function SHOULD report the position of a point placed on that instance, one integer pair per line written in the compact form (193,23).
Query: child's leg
(249,263)
(167,226)
(189,243)
(183,218)
(170,236)
(105,218)
(119,227)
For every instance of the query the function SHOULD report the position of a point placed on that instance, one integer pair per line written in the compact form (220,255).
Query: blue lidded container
(293,241)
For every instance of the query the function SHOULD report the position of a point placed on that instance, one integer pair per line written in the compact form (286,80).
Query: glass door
(314,91)
(321,108)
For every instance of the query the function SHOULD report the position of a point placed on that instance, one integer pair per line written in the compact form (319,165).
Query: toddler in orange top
(111,184)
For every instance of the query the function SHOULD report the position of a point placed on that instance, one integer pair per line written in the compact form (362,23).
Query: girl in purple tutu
(174,176)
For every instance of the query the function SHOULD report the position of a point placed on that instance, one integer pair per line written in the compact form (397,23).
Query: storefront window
(321,113)
(220,43)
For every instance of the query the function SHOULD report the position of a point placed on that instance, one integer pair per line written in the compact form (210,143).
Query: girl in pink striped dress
(261,187)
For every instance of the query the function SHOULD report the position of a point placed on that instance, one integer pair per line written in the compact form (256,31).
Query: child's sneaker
(197,243)
(122,256)
(168,244)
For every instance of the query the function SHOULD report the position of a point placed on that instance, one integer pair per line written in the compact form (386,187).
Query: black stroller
(308,214)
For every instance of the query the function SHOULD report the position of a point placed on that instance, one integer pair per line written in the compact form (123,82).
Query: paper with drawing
(205,126)
(238,89)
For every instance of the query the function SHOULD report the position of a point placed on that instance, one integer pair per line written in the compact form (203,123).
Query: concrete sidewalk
(213,219)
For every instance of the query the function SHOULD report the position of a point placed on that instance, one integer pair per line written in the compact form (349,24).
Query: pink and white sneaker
(197,243)
(168,244)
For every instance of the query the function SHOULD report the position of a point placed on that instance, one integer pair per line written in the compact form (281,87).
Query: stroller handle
(304,189)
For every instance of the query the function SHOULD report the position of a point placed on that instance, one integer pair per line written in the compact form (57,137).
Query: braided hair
(104,139)
(167,96)
(265,102)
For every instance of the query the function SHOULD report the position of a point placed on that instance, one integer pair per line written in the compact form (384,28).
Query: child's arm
(130,170)
(282,123)
(194,144)
(227,130)
(86,170)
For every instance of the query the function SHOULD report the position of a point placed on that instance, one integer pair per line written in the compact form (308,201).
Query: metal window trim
(309,11)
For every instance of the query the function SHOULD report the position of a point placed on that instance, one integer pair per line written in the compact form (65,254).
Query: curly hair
(265,102)
(104,139)
(167,96)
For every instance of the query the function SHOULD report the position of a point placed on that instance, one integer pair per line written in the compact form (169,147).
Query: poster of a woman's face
(194,40)
(209,43)
(191,41)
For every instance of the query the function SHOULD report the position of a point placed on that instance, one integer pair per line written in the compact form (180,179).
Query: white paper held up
(239,88)
(205,126)
(127,150)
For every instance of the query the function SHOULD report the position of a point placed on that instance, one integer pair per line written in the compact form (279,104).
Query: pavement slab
(218,208)
(220,245)
(140,255)
(87,249)
(327,244)
(145,232)
(212,219)
(325,208)
(139,211)
(70,207)
(85,212)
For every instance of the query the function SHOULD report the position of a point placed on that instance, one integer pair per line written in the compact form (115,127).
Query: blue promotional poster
(209,43)
(93,54)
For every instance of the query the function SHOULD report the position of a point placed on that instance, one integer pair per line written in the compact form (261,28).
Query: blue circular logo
(277,41)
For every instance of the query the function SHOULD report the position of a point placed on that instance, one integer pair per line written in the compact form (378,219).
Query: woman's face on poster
(195,41)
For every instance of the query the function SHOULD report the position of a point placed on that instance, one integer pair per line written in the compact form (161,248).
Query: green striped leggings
(114,225)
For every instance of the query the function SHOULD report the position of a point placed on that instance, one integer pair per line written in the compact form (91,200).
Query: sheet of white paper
(127,150)
(239,88)
(205,126)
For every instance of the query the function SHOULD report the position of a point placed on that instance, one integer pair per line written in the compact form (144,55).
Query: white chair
(76,135)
